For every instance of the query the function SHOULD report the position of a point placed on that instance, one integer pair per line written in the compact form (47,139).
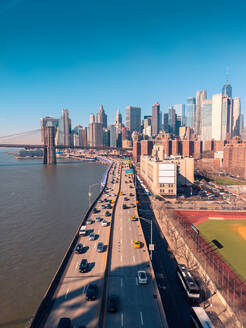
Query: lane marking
(121,241)
(121,282)
(122,319)
(76,266)
(121,258)
(141,318)
(133,258)
(66,293)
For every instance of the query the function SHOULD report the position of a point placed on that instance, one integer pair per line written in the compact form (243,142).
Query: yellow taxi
(136,244)
(133,218)
(121,193)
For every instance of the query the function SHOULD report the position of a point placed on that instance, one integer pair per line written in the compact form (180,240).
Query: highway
(114,271)
(70,300)
(138,307)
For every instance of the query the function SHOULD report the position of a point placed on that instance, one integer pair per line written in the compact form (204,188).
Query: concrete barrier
(48,299)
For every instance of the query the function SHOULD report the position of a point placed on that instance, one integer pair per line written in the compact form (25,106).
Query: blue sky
(78,54)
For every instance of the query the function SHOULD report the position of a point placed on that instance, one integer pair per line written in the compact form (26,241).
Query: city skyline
(132,64)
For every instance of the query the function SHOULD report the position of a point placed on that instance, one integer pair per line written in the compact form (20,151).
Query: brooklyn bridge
(49,147)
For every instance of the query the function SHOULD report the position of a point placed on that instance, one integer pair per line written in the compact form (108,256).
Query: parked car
(108,213)
(98,219)
(92,236)
(104,223)
(64,323)
(91,292)
(89,221)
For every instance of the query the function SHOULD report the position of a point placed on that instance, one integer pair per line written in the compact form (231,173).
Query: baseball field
(230,235)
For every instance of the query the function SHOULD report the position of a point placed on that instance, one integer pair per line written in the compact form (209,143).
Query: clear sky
(78,54)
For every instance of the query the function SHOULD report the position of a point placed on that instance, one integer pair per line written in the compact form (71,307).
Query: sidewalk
(216,307)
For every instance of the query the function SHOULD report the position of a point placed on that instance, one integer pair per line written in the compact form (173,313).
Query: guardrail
(47,301)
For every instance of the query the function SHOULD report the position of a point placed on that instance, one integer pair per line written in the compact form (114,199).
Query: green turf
(234,246)
(227,181)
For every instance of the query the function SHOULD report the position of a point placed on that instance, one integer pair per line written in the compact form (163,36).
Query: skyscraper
(200,96)
(191,112)
(206,120)
(221,116)
(227,89)
(155,119)
(102,117)
(236,117)
(96,134)
(118,118)
(133,118)
(172,120)
(180,111)
(63,134)
(113,136)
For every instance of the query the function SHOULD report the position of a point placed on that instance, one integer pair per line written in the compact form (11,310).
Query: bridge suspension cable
(20,134)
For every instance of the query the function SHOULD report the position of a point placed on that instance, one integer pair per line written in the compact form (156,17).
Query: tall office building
(190,112)
(78,135)
(200,97)
(206,120)
(155,119)
(47,121)
(180,111)
(102,117)
(165,122)
(92,118)
(241,123)
(118,118)
(133,118)
(236,117)
(221,116)
(106,137)
(84,137)
(160,121)
(227,89)
(96,134)
(63,134)
(172,120)
(113,136)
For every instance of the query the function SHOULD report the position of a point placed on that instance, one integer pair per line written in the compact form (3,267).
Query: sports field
(231,234)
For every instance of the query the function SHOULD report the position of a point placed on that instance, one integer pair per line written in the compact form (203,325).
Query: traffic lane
(71,302)
(170,290)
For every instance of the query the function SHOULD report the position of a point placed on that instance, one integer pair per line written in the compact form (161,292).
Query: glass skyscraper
(191,112)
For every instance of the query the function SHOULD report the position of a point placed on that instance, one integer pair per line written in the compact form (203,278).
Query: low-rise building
(163,176)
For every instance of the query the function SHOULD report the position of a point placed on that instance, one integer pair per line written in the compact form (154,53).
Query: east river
(40,211)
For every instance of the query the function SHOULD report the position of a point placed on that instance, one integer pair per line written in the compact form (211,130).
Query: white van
(82,231)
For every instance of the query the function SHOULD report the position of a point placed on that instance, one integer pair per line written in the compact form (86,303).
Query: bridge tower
(49,145)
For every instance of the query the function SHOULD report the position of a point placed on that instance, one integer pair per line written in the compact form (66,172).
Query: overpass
(49,148)
(114,271)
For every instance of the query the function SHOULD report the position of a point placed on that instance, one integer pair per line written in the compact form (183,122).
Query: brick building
(136,151)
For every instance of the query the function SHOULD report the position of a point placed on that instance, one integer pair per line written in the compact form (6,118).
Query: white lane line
(76,266)
(141,318)
(121,241)
(66,293)
(122,319)
(121,282)
(136,281)
(133,258)
(121,258)
(95,245)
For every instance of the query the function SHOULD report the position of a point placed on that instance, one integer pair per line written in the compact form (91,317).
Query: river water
(40,211)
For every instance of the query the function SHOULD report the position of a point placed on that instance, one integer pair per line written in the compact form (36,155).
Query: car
(91,292)
(64,323)
(89,221)
(113,195)
(142,277)
(95,210)
(79,249)
(124,206)
(109,206)
(125,198)
(113,303)
(104,223)
(121,193)
(108,213)
(136,244)
(92,236)
(103,206)
(83,266)
(98,219)
(100,247)
(131,194)
(100,201)
(133,218)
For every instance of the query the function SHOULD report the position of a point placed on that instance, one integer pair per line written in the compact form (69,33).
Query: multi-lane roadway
(114,271)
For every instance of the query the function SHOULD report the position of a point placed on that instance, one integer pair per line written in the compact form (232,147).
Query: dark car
(98,219)
(125,198)
(83,266)
(100,247)
(79,249)
(64,323)
(108,213)
(113,303)
(108,206)
(91,292)
(95,210)
(124,206)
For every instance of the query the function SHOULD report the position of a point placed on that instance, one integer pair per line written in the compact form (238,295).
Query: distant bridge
(50,147)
